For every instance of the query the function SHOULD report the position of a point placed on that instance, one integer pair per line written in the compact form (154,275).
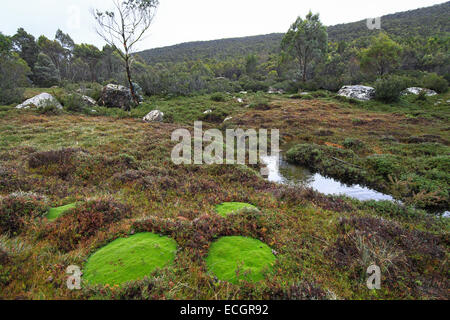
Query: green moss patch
(55,213)
(129,259)
(238,258)
(227,208)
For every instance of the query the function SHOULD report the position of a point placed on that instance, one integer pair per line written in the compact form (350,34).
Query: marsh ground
(119,171)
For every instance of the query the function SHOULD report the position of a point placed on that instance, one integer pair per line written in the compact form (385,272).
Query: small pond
(285,173)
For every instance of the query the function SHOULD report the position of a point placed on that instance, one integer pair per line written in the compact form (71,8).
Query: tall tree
(89,54)
(25,44)
(65,40)
(382,56)
(124,27)
(13,72)
(306,40)
(45,71)
(53,49)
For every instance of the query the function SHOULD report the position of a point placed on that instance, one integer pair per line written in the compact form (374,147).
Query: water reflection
(283,172)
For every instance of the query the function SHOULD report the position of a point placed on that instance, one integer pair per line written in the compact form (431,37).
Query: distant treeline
(419,38)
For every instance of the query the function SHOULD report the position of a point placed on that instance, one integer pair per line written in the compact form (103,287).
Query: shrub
(260,103)
(388,89)
(83,222)
(19,208)
(13,95)
(435,82)
(49,109)
(46,158)
(384,165)
(354,144)
(8,179)
(74,103)
(218,97)
(217,115)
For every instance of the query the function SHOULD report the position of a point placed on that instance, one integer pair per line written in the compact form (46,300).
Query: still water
(285,173)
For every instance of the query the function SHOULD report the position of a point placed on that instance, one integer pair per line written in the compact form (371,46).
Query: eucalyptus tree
(123,27)
(306,40)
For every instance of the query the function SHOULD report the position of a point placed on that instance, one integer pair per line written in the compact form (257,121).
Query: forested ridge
(422,22)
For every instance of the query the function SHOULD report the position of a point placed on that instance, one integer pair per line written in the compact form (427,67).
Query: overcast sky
(191,20)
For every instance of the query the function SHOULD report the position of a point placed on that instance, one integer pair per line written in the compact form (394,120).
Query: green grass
(55,213)
(227,208)
(238,258)
(128,259)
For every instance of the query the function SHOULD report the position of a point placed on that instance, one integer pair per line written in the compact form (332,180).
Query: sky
(179,21)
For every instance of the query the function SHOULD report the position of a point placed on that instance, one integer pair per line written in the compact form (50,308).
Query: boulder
(417,91)
(208,111)
(358,92)
(240,100)
(116,96)
(90,102)
(275,91)
(227,119)
(40,101)
(154,116)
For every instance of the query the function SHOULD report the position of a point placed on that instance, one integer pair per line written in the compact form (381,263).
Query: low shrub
(49,109)
(435,82)
(74,103)
(17,209)
(46,158)
(383,165)
(83,222)
(8,180)
(216,116)
(399,252)
(354,144)
(218,97)
(260,103)
(11,95)
(388,89)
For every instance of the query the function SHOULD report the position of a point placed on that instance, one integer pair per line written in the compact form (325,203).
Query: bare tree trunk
(130,82)
(304,71)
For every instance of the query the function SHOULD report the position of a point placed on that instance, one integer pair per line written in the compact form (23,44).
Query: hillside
(422,22)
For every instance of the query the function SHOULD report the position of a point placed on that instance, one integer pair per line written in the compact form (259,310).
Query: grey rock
(154,116)
(362,93)
(417,91)
(90,102)
(275,91)
(116,96)
(40,101)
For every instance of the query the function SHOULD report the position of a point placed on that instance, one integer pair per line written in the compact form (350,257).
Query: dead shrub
(407,258)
